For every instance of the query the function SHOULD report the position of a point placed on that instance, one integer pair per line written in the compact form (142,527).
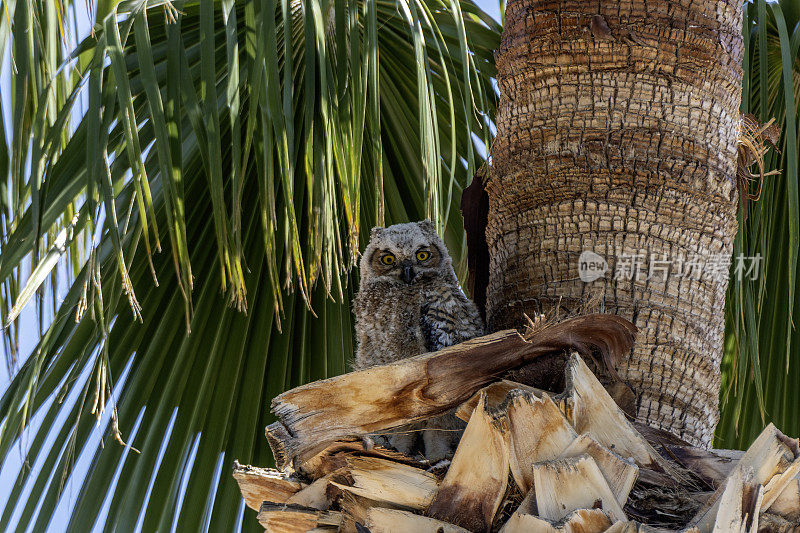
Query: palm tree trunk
(616,133)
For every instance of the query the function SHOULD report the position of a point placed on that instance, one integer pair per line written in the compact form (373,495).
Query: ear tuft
(427,225)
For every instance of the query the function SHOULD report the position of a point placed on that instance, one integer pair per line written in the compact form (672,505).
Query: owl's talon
(443,464)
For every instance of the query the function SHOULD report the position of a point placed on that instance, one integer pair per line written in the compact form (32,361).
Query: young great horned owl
(409,302)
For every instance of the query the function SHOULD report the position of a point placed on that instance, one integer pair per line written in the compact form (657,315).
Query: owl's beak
(408,272)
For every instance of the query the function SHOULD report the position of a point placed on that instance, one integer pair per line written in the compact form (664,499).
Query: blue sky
(490,6)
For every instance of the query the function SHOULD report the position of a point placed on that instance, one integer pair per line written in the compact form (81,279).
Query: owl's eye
(423,255)
(388,259)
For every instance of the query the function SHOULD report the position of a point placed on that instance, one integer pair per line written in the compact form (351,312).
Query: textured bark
(477,479)
(595,414)
(770,456)
(391,520)
(285,518)
(619,473)
(566,485)
(616,133)
(576,452)
(264,484)
(389,482)
(582,520)
(315,415)
(538,431)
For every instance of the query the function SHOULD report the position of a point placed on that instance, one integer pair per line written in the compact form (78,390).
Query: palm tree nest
(529,459)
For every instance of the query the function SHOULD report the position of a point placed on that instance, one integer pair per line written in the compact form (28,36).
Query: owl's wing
(449,320)
(437,327)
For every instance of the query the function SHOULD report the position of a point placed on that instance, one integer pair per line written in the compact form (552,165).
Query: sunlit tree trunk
(617,132)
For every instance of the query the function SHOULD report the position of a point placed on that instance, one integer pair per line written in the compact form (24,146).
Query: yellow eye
(423,255)
(388,259)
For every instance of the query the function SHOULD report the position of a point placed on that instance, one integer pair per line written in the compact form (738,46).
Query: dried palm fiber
(617,133)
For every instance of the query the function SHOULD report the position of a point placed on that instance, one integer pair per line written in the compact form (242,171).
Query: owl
(409,302)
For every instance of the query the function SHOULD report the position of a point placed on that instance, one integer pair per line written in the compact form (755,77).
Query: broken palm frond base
(528,460)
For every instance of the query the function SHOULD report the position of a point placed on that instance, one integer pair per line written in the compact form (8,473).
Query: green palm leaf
(761,368)
(265,137)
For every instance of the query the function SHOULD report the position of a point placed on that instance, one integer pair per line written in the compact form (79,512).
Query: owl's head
(405,254)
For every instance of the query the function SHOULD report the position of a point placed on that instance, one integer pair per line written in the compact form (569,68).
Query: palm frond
(761,366)
(253,142)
